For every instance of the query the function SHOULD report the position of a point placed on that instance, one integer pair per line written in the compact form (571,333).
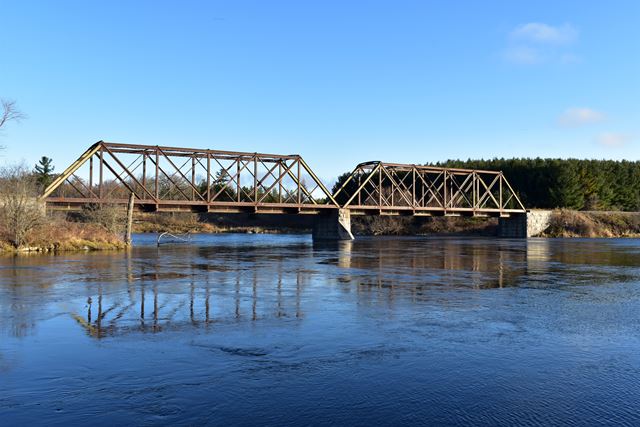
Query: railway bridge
(175,179)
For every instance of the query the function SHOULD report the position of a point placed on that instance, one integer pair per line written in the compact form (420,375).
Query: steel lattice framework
(175,179)
(171,178)
(398,189)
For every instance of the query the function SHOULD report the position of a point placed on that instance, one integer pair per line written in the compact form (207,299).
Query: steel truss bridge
(197,180)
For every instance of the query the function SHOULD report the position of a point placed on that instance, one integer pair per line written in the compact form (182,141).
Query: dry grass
(568,223)
(61,235)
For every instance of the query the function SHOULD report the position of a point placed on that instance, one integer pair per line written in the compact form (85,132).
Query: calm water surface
(274,330)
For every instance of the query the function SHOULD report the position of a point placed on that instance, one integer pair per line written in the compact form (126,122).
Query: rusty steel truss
(175,179)
(197,180)
(398,189)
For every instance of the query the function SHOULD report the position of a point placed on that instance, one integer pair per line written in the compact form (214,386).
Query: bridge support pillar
(530,224)
(333,226)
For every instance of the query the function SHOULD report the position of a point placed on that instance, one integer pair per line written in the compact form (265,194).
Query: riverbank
(59,235)
(569,223)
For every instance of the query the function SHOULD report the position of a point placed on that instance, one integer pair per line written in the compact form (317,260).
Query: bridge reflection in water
(149,307)
(287,279)
(210,290)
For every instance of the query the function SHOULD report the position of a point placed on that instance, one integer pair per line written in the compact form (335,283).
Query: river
(274,330)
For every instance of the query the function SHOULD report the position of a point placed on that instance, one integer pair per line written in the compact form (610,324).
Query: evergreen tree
(221,177)
(43,171)
(219,185)
(567,191)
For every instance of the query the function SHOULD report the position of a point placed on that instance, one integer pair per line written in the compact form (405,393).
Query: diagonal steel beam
(128,173)
(196,190)
(71,169)
(371,174)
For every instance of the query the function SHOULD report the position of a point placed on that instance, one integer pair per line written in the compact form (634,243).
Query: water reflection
(152,290)
(234,328)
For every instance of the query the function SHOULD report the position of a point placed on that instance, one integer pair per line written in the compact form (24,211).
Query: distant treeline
(570,183)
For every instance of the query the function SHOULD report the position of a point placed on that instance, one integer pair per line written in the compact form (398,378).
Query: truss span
(197,180)
(175,179)
(398,189)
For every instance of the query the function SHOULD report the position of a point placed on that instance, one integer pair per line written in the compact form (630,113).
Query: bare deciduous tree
(10,112)
(20,211)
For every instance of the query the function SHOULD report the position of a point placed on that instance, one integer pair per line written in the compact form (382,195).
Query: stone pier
(531,224)
(333,226)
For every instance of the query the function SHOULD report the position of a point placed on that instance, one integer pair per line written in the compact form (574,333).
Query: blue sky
(339,82)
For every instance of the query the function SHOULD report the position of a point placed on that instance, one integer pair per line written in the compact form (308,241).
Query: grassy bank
(569,223)
(58,235)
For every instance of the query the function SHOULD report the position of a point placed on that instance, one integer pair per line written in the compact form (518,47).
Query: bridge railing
(391,188)
(190,179)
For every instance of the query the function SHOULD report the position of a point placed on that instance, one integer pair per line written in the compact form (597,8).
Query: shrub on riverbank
(20,211)
(25,226)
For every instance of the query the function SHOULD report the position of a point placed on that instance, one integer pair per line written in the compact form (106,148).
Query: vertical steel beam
(239,189)
(157,183)
(208,177)
(193,177)
(413,187)
(91,173)
(101,173)
(144,171)
(500,189)
(299,183)
(393,187)
(255,178)
(446,205)
(422,188)
(280,181)
(473,190)
(380,187)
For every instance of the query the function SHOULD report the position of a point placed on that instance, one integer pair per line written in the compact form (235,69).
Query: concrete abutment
(529,224)
(335,225)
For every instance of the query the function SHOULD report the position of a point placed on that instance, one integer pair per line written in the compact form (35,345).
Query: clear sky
(339,82)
